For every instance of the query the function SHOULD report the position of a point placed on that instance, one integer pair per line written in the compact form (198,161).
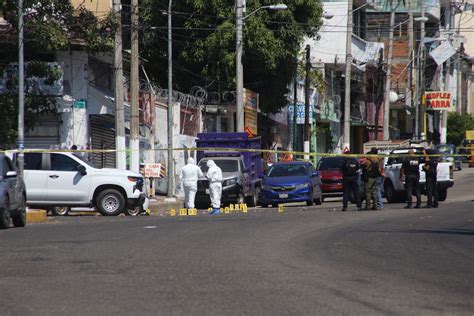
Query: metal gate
(102,137)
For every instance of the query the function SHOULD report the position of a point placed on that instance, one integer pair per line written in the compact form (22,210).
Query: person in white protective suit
(214,174)
(189,178)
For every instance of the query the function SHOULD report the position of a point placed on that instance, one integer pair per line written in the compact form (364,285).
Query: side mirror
(82,170)
(314,174)
(11,174)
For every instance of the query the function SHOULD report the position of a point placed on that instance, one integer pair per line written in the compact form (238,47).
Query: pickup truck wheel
(253,200)
(19,220)
(132,211)
(442,195)
(110,202)
(60,210)
(5,215)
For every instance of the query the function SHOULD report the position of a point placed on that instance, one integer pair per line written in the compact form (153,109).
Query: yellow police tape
(240,150)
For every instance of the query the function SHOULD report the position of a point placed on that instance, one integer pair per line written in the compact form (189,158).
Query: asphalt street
(304,261)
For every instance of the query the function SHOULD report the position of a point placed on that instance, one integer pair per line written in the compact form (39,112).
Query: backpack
(373,171)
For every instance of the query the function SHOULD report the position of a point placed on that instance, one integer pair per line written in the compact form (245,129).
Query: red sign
(438,100)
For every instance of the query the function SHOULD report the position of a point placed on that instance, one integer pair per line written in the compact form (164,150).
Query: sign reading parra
(438,100)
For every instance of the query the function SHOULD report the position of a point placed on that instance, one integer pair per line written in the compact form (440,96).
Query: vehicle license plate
(207,191)
(283,196)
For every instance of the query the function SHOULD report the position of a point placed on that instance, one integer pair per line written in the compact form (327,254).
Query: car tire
(309,203)
(110,202)
(5,215)
(60,210)
(132,211)
(442,195)
(19,220)
(253,200)
(318,201)
(390,194)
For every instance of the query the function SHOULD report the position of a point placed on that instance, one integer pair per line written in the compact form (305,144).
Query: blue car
(286,182)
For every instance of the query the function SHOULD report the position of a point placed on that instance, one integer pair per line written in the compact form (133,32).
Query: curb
(35,216)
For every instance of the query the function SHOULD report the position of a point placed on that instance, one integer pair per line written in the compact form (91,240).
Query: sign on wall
(153,170)
(250,110)
(437,100)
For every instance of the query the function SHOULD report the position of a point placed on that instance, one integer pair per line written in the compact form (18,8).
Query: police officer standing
(410,170)
(349,169)
(430,169)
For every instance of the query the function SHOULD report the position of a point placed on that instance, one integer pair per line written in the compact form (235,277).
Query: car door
(35,176)
(315,181)
(65,184)
(392,171)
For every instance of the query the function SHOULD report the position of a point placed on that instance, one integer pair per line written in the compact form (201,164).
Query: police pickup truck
(394,189)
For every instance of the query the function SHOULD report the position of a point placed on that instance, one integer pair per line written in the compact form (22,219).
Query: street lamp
(386,113)
(239,18)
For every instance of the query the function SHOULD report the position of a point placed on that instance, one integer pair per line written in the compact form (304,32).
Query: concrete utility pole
(449,20)
(295,110)
(170,191)
(307,83)
(239,73)
(409,88)
(120,154)
(134,86)
(347,86)
(386,110)
(21,91)
(422,73)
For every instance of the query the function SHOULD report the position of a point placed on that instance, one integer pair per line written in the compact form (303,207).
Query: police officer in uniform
(430,169)
(349,168)
(410,170)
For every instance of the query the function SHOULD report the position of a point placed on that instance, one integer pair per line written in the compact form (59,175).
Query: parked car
(60,179)
(12,195)
(290,182)
(331,178)
(393,187)
(448,152)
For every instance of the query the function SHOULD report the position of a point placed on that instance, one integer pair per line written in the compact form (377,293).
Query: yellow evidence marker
(172,212)
(192,211)
(226,210)
(183,212)
(280,208)
(231,207)
(237,207)
(244,208)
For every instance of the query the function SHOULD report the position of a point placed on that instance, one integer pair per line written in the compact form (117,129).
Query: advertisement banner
(437,100)
(250,110)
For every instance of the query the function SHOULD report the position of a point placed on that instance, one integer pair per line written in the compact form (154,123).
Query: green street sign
(80,104)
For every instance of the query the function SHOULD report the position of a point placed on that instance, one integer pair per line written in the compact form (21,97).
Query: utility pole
(422,74)
(134,86)
(21,91)
(386,110)
(307,82)
(347,86)
(120,154)
(409,88)
(295,105)
(170,191)
(444,118)
(238,65)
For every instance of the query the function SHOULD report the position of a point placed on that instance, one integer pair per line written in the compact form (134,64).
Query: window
(289,170)
(330,163)
(5,166)
(241,163)
(225,165)
(33,161)
(63,163)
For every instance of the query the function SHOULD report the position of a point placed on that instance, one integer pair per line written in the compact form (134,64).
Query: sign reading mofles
(438,100)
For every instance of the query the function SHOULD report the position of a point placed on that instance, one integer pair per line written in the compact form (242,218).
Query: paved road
(304,261)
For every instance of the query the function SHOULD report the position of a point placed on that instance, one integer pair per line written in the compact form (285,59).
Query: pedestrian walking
(372,173)
(214,174)
(431,174)
(411,172)
(190,174)
(350,168)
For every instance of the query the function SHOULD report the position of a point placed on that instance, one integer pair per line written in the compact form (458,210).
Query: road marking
(149,227)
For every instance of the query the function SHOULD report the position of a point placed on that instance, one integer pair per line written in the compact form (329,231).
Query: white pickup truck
(394,189)
(60,179)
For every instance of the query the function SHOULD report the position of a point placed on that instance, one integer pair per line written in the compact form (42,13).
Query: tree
(204,45)
(49,26)
(458,124)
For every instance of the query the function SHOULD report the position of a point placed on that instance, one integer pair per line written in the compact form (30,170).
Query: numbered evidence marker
(226,210)
(172,212)
(231,207)
(183,212)
(244,208)
(280,208)
(192,212)
(237,207)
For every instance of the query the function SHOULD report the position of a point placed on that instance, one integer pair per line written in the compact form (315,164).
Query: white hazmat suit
(189,178)
(214,174)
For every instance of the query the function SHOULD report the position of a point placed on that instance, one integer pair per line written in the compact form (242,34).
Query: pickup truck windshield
(288,171)
(225,165)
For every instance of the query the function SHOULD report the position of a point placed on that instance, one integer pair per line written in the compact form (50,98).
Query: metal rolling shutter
(102,137)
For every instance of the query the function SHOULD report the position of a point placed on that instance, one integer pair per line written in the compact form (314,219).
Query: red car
(331,177)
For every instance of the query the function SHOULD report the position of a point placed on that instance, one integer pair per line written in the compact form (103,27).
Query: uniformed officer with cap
(411,171)
(349,168)
(430,169)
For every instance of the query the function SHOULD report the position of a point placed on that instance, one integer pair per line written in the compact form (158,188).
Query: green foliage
(204,45)
(458,124)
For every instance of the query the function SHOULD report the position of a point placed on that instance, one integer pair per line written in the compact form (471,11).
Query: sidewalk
(159,207)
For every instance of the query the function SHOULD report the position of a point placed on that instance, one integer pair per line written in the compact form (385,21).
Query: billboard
(437,100)
(250,110)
